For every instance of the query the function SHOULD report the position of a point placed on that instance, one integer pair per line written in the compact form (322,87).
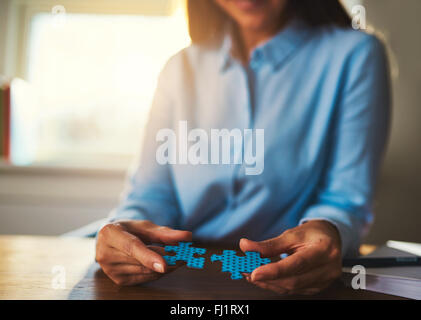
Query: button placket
(256,59)
(238,178)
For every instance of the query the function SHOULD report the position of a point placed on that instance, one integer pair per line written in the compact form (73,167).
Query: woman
(320,92)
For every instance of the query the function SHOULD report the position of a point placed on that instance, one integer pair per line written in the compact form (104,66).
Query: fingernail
(256,277)
(158,267)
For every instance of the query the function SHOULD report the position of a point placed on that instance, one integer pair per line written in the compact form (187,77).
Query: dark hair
(207,20)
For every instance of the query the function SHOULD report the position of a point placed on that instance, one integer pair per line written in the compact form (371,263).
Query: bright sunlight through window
(93,78)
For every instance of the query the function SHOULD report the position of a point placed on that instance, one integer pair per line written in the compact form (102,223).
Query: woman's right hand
(125,255)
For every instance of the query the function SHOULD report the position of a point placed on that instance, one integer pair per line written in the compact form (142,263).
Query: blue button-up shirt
(322,98)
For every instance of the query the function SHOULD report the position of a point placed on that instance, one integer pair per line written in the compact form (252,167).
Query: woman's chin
(253,24)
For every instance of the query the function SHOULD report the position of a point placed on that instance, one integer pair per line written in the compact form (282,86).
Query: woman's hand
(124,255)
(314,259)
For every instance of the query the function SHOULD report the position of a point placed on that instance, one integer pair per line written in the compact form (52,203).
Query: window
(90,79)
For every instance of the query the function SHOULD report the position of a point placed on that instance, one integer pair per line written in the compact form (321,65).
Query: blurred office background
(83,75)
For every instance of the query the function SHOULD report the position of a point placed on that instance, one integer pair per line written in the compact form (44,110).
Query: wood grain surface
(27,272)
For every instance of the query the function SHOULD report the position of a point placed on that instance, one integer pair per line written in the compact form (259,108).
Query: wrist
(327,228)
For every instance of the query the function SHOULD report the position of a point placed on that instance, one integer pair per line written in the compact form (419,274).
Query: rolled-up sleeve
(356,146)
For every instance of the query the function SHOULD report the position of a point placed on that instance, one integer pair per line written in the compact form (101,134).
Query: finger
(159,234)
(133,279)
(130,269)
(296,263)
(308,291)
(271,247)
(159,250)
(317,278)
(304,292)
(319,285)
(126,269)
(138,279)
(132,246)
(271,287)
(112,256)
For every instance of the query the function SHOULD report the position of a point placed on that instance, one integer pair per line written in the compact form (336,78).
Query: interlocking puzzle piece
(235,264)
(185,253)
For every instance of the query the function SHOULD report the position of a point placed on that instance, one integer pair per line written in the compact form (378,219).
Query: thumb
(169,236)
(267,248)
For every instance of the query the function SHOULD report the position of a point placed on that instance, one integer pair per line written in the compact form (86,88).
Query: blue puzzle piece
(185,253)
(235,264)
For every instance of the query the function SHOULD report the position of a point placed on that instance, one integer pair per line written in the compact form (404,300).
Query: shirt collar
(275,51)
(227,48)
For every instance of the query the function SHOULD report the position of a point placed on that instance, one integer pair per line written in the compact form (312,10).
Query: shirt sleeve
(356,146)
(150,193)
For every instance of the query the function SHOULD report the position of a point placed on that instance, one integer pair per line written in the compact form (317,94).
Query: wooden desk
(27,262)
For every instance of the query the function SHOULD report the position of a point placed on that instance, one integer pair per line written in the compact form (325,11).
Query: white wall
(53,201)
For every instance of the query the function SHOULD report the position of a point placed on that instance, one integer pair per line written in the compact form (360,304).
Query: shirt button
(256,59)
(257,55)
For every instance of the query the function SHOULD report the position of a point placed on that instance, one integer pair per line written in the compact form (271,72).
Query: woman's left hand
(314,259)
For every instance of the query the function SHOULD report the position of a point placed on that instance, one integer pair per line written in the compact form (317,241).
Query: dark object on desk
(384,262)
(404,281)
